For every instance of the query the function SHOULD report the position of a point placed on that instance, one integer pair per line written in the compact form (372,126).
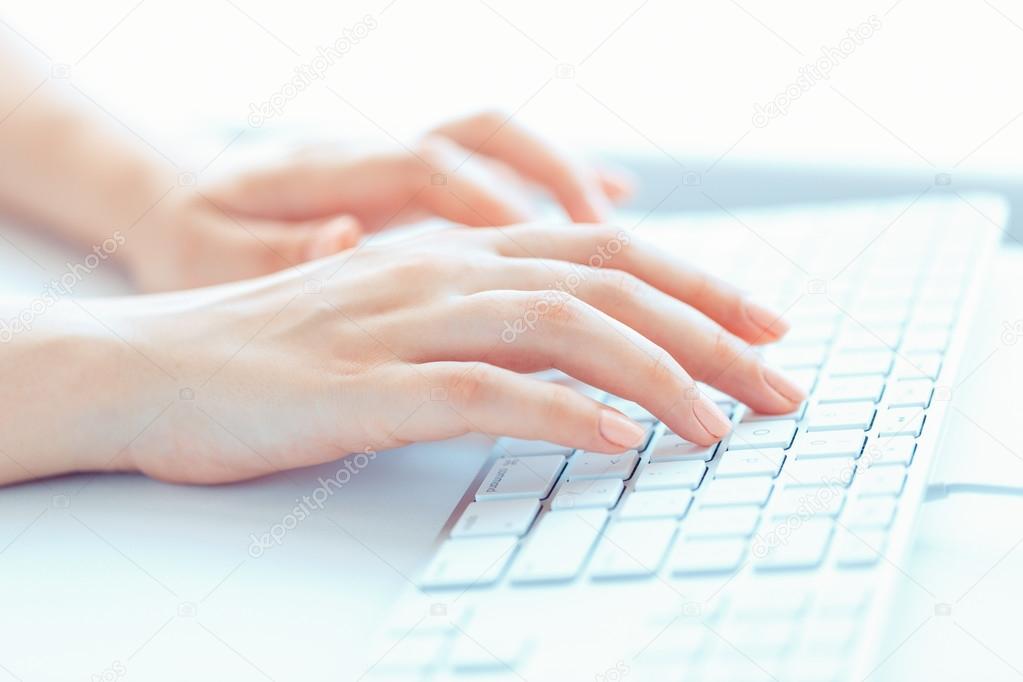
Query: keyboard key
(758,602)
(716,396)
(829,444)
(859,548)
(853,363)
(517,447)
(805,379)
(671,448)
(750,463)
(559,545)
(410,654)
(585,466)
(846,389)
(632,548)
(802,548)
(487,650)
(795,415)
(679,640)
(766,434)
(737,491)
(933,316)
(756,640)
(900,421)
(918,366)
(877,337)
(797,357)
(895,450)
(496,517)
(662,475)
(870,512)
(924,340)
(881,481)
(838,416)
(813,334)
(469,562)
(910,393)
(601,494)
(651,504)
(526,477)
(699,555)
(815,473)
(738,521)
(828,638)
(633,410)
(807,502)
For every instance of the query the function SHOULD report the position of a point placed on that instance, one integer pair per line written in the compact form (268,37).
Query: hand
(428,339)
(478,171)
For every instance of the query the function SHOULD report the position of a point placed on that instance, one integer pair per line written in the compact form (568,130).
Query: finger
(709,353)
(530,331)
(609,247)
(575,187)
(618,185)
(377,189)
(464,190)
(332,236)
(292,243)
(459,398)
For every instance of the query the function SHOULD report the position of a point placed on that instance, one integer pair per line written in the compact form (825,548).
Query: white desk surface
(114,576)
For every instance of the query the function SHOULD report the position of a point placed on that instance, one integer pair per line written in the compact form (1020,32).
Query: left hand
(476,171)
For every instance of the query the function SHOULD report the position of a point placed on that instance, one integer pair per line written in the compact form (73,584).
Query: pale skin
(268,337)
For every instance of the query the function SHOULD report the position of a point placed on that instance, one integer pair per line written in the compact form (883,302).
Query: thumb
(326,237)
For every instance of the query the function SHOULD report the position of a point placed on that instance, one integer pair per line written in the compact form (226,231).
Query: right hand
(428,339)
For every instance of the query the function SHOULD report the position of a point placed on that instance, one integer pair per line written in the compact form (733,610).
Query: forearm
(74,393)
(66,166)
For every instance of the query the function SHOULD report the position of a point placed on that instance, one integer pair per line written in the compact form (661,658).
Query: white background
(936,87)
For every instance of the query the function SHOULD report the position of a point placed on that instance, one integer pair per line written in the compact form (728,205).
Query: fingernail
(766,319)
(782,385)
(711,418)
(620,430)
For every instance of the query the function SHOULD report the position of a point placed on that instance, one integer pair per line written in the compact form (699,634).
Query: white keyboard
(768,556)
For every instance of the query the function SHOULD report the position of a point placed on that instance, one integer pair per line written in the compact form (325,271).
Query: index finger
(576,188)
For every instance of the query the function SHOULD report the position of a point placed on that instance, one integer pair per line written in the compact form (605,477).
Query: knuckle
(619,284)
(729,355)
(467,387)
(610,244)
(605,234)
(419,267)
(701,285)
(661,369)
(555,403)
(724,347)
(488,118)
(430,154)
(558,307)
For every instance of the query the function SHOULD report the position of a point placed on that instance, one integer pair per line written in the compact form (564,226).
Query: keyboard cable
(939,491)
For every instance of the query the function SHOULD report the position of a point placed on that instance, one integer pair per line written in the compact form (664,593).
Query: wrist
(78,392)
